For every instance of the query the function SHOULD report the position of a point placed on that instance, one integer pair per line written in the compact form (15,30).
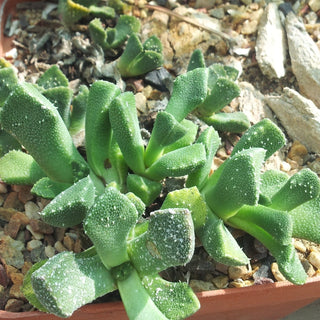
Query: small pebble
(239,283)
(309,269)
(3,188)
(314,259)
(36,235)
(33,244)
(32,210)
(27,265)
(17,278)
(60,247)
(68,242)
(41,227)
(239,272)
(199,285)
(49,251)
(220,282)
(14,305)
(15,292)
(12,201)
(276,273)
(299,245)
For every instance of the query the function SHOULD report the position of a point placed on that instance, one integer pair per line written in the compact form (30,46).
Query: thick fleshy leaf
(220,95)
(78,110)
(147,190)
(238,183)
(61,98)
(211,141)
(189,90)
(48,189)
(108,224)
(125,125)
(175,300)
(7,143)
(196,60)
(219,242)
(8,80)
(70,207)
(191,199)
(17,167)
(231,122)
(166,130)
(264,134)
(52,78)
(168,242)
(306,220)
(37,125)
(61,292)
(178,163)
(136,299)
(301,187)
(187,139)
(98,127)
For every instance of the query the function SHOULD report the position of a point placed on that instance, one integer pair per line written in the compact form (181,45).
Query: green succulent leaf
(238,183)
(196,60)
(61,98)
(220,95)
(168,242)
(137,202)
(264,134)
(211,141)
(17,167)
(62,292)
(113,37)
(175,300)
(8,80)
(300,188)
(136,299)
(166,131)
(138,59)
(108,224)
(258,218)
(187,139)
(70,207)
(191,199)
(147,190)
(48,189)
(219,242)
(27,289)
(52,78)
(98,127)
(71,11)
(271,182)
(37,125)
(178,163)
(125,126)
(103,12)
(189,90)
(279,243)
(7,143)
(78,110)
(306,220)
(232,122)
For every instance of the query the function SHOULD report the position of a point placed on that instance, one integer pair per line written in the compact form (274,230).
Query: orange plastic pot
(263,302)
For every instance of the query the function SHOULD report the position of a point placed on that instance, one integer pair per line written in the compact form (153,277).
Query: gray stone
(251,102)
(11,251)
(271,48)
(305,58)
(299,116)
(217,13)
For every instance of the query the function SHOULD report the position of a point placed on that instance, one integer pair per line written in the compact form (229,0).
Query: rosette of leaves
(272,207)
(138,58)
(126,256)
(72,11)
(221,91)
(38,117)
(111,38)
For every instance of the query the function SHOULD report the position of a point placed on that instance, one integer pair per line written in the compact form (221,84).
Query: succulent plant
(221,90)
(73,10)
(271,206)
(126,256)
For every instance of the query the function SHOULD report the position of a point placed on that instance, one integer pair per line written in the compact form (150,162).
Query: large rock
(299,116)
(305,58)
(271,47)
